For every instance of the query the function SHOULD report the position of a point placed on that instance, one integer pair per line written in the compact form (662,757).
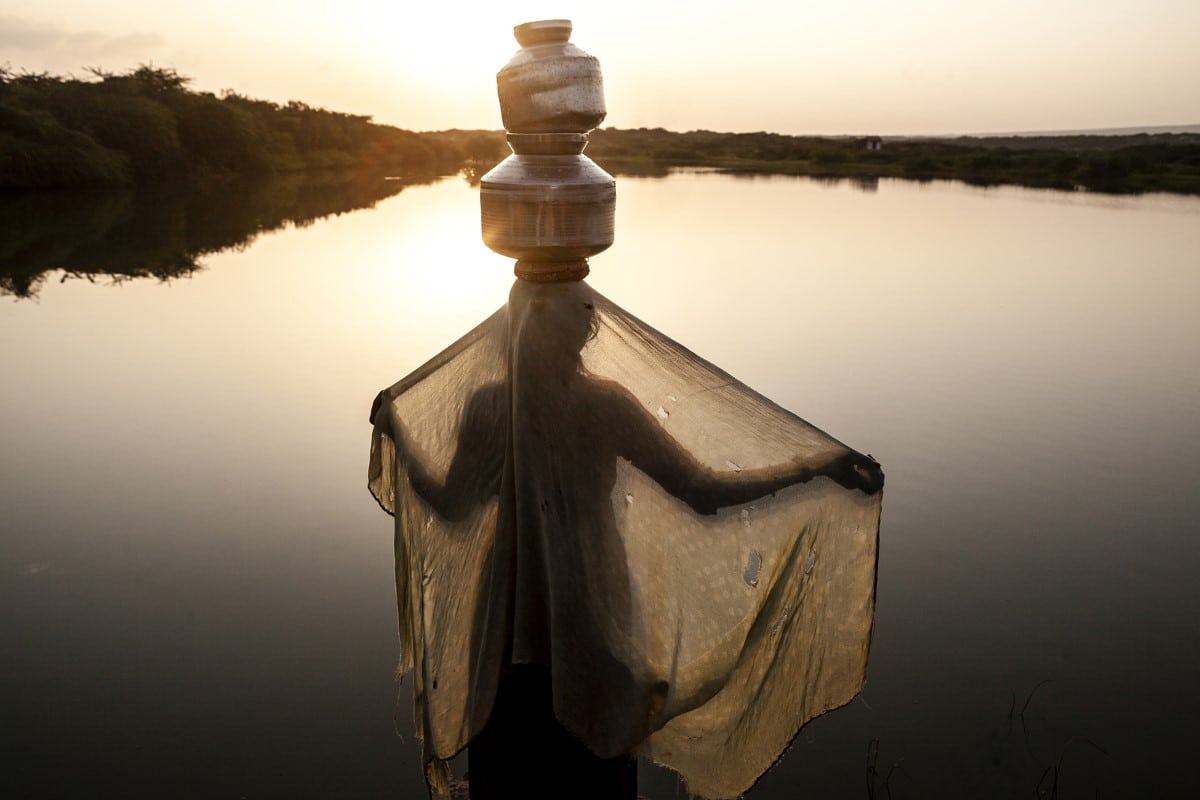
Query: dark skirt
(524,753)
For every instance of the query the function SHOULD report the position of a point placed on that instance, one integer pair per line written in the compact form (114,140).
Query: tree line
(1133,163)
(145,124)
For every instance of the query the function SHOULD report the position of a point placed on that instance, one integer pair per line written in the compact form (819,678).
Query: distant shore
(146,124)
(1137,163)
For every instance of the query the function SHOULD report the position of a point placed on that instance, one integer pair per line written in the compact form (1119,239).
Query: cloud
(25,35)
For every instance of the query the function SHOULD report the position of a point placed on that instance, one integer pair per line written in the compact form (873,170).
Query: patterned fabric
(694,564)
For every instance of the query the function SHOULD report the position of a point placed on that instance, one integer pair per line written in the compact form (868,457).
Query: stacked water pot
(548,205)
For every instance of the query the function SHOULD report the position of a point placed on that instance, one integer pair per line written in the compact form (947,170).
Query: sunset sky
(857,66)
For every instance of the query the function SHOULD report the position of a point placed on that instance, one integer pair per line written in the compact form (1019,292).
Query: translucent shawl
(694,564)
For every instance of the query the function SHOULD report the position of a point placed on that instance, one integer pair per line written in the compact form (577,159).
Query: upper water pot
(550,85)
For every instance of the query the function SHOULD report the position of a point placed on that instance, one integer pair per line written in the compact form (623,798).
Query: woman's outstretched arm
(477,464)
(651,449)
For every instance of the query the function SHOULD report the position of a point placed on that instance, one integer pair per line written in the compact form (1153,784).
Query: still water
(198,588)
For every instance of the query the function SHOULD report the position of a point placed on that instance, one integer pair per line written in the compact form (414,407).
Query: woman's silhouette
(546,443)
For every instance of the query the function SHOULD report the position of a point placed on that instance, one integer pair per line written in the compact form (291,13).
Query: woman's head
(552,323)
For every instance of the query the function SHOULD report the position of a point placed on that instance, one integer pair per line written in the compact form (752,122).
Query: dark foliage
(1139,163)
(147,124)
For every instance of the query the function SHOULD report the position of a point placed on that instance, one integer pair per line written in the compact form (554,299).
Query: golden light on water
(189,468)
(441,259)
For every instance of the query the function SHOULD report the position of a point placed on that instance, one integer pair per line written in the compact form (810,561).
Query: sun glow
(932,66)
(436,265)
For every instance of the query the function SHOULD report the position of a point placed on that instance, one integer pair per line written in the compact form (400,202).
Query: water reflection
(191,576)
(160,231)
(868,184)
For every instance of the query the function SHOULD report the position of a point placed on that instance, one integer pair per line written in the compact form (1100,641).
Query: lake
(198,588)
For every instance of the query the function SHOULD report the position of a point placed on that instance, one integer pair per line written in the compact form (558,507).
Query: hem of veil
(552,271)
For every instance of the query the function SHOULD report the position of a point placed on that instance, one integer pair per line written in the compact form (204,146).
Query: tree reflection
(160,231)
